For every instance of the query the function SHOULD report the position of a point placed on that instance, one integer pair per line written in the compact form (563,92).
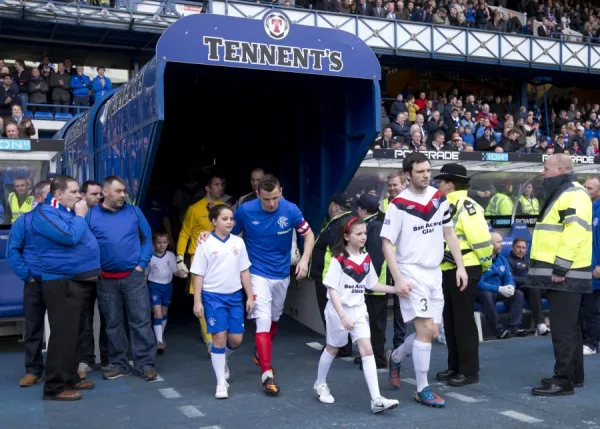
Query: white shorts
(426,300)
(337,335)
(269,297)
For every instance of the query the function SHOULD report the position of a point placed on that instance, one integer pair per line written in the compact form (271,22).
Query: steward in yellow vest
(19,204)
(475,243)
(501,203)
(561,263)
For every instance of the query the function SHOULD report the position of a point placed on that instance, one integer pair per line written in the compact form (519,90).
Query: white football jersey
(414,223)
(162,268)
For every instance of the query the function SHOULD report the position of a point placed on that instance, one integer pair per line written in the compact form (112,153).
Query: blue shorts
(224,312)
(160,294)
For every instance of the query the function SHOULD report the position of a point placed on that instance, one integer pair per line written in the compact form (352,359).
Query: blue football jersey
(268,236)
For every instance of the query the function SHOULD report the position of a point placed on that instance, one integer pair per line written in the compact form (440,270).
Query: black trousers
(534,298)
(65,300)
(566,338)
(590,319)
(34,309)
(377,310)
(87,344)
(399,325)
(462,338)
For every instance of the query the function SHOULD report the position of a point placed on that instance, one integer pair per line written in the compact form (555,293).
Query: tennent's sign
(272,43)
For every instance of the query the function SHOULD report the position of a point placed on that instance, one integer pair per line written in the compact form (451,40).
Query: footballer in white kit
(417,222)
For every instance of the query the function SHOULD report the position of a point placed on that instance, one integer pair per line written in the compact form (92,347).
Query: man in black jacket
(368,211)
(519,267)
(339,211)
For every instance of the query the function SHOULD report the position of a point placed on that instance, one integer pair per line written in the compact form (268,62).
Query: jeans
(515,309)
(128,298)
(87,341)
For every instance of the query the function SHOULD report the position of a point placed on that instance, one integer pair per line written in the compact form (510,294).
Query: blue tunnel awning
(273,44)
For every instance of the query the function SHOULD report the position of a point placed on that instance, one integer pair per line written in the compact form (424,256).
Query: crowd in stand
(465,122)
(63,86)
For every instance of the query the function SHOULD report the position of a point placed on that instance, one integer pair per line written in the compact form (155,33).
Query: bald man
(561,263)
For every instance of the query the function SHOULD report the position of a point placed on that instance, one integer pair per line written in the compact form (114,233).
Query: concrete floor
(184,395)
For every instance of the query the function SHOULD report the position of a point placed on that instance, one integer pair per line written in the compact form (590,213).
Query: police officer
(339,211)
(368,211)
(475,243)
(561,262)
(23,260)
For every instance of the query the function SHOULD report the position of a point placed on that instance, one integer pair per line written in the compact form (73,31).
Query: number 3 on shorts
(424,303)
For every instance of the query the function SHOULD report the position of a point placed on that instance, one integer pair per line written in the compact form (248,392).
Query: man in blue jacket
(590,320)
(125,242)
(23,260)
(80,85)
(70,261)
(497,284)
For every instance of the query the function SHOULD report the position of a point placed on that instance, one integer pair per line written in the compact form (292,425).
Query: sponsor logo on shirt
(255,222)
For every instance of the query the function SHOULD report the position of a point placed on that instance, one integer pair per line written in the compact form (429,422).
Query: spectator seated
(62,116)
(48,116)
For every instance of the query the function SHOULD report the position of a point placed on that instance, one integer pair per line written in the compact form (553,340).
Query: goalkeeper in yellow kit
(195,221)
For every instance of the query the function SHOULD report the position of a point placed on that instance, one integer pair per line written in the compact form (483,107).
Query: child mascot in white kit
(221,270)
(349,273)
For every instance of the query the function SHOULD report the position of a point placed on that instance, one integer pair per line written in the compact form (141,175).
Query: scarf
(54,203)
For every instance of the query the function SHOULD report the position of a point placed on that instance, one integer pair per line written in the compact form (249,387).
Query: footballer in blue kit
(268,224)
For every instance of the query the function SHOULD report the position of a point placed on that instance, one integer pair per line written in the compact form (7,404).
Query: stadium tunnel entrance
(233,94)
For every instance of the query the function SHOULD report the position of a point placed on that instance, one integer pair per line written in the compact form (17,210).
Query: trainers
(588,351)
(149,374)
(227,373)
(542,329)
(381,404)
(222,392)
(427,397)
(269,385)
(105,367)
(394,372)
(322,391)
(114,373)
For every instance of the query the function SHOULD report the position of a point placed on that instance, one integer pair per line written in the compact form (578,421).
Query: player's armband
(303,227)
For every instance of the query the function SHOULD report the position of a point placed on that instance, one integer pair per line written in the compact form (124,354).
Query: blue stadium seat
(48,116)
(29,114)
(520,230)
(506,246)
(526,305)
(62,116)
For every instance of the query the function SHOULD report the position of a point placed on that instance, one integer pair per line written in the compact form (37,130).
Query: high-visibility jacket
(472,231)
(375,250)
(321,254)
(383,205)
(529,206)
(562,240)
(500,205)
(16,209)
